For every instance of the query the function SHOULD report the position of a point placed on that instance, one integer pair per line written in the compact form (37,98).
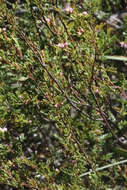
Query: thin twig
(38,54)
(102,114)
(104,167)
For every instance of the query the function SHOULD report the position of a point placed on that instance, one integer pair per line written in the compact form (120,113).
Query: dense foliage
(63,101)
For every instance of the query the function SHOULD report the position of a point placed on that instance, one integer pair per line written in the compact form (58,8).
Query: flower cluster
(62,45)
(67,9)
(123,44)
(4,129)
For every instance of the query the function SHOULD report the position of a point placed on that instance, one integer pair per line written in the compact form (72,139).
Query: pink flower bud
(84,13)
(56,105)
(30,121)
(4,29)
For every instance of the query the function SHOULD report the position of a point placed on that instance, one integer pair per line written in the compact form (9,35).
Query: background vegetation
(63,99)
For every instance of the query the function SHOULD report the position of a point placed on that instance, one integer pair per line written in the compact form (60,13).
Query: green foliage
(62,97)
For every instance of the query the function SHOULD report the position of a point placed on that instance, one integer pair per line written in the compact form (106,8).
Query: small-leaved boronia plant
(63,100)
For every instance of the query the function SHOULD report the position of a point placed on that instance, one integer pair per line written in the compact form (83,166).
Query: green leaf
(23,79)
(16,85)
(116,57)
(16,41)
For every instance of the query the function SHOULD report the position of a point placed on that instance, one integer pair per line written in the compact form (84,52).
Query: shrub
(62,101)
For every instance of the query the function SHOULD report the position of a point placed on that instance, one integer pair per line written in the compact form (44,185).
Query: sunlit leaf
(116,57)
